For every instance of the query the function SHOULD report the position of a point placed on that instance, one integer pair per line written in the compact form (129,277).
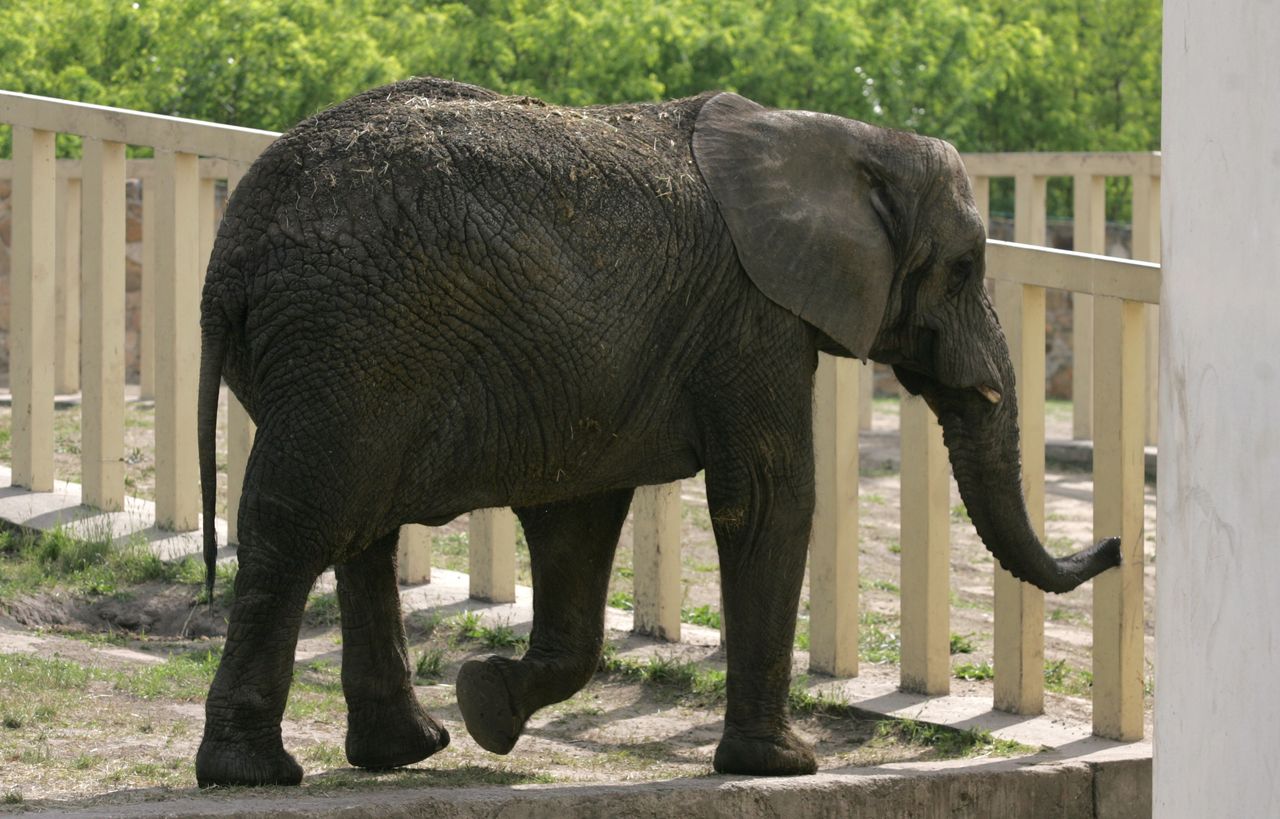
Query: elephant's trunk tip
(1066,573)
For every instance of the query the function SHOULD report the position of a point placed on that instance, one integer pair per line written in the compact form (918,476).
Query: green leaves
(987,74)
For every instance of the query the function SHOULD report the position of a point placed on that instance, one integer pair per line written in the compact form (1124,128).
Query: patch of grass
(879,585)
(895,547)
(622,600)
(11,797)
(879,646)
(501,636)
(701,616)
(323,609)
(974,671)
(961,644)
(324,755)
(91,565)
(949,743)
(625,572)
(802,633)
(803,701)
(959,514)
(185,677)
(704,568)
(430,666)
(1064,679)
(85,762)
(469,627)
(707,686)
(874,499)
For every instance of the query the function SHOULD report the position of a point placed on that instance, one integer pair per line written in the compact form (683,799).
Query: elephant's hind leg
(242,744)
(571,548)
(386,727)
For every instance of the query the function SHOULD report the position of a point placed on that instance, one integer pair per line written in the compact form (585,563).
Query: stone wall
(1058,303)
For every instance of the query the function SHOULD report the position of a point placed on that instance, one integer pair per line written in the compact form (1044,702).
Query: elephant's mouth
(937,393)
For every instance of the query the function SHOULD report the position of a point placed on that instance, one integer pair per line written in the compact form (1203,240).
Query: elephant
(433,298)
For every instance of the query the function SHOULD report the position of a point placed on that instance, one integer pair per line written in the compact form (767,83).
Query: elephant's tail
(213,350)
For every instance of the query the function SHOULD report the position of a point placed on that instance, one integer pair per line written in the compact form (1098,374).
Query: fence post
(833,550)
(66,320)
(492,543)
(177,340)
(208,225)
(102,409)
(1089,232)
(1019,607)
(655,526)
(413,554)
(147,296)
(866,391)
(31,307)
(982,196)
(1119,425)
(925,539)
(1146,247)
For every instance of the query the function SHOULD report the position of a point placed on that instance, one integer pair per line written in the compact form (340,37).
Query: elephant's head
(872,237)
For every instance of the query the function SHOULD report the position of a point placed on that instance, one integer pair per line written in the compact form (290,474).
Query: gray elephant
(433,298)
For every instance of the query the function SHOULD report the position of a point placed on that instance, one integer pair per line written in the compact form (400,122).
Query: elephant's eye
(961,273)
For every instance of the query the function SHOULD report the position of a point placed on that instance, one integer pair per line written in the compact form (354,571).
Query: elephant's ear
(805,209)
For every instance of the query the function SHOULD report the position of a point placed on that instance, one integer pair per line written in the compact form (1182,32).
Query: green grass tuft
(961,644)
(701,616)
(974,671)
(949,743)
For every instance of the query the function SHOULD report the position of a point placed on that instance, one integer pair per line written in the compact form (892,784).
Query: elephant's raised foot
(393,735)
(787,755)
(484,697)
(237,763)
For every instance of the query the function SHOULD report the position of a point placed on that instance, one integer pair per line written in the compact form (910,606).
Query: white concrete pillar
(1217,606)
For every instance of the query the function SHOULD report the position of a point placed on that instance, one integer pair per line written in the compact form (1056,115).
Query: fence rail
(76,208)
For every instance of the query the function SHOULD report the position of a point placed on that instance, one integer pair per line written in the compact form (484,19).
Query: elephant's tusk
(991,395)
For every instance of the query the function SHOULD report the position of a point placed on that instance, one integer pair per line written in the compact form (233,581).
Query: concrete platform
(1078,775)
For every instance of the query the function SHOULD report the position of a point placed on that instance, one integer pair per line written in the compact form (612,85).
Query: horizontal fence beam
(1077,272)
(176,134)
(67,169)
(1062,164)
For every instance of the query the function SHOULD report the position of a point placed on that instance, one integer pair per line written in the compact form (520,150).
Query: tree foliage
(986,74)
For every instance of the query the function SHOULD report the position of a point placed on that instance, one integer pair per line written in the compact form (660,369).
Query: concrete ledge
(1072,790)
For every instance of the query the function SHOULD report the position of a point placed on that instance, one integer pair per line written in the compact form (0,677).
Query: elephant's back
(475,245)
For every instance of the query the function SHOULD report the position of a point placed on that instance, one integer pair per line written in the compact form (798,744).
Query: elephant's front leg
(386,726)
(762,516)
(571,548)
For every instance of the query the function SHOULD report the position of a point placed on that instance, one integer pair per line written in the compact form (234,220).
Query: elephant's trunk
(982,441)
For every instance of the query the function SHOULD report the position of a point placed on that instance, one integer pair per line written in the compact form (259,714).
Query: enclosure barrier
(68,210)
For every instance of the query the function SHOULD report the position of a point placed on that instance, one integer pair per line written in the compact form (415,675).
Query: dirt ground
(102,699)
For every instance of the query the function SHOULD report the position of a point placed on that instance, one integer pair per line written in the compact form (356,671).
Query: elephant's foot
(785,755)
(487,703)
(393,734)
(246,763)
